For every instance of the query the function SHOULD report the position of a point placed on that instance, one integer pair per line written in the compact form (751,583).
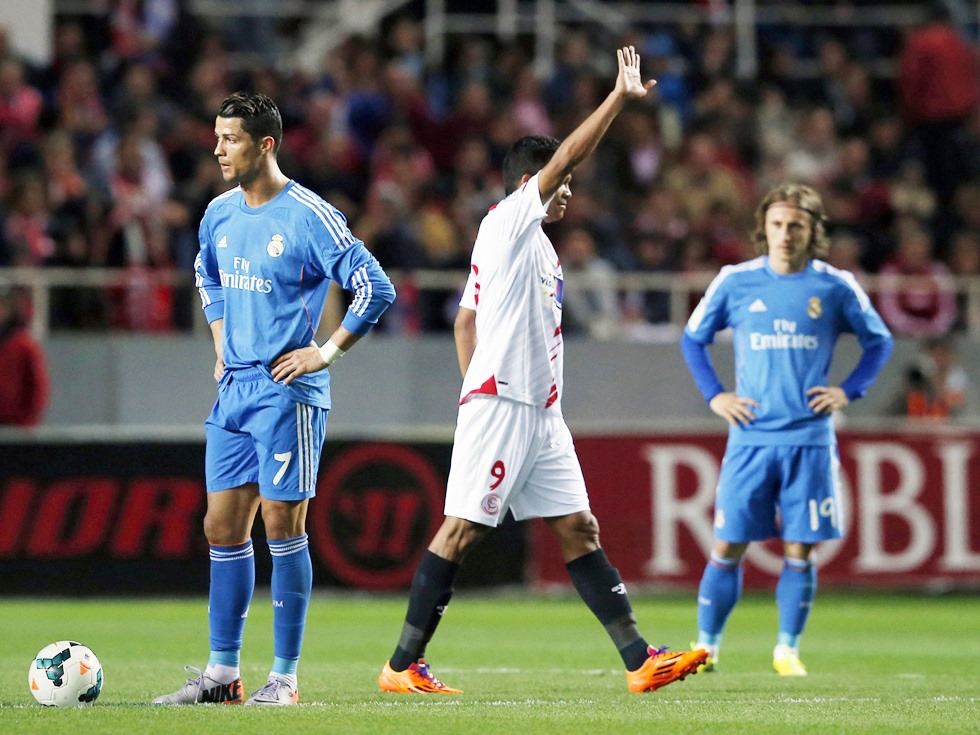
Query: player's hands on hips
(827,399)
(291,365)
(219,369)
(629,84)
(735,410)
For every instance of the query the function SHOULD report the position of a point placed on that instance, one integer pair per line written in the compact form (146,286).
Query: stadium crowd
(106,156)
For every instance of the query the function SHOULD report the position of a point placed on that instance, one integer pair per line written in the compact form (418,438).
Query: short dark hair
(259,115)
(805,198)
(527,156)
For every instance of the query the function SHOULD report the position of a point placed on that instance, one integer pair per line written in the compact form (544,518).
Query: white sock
(289,680)
(222,674)
(781,650)
(712,649)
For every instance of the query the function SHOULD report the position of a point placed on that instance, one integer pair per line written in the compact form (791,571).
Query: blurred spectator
(135,238)
(139,129)
(698,182)
(255,31)
(529,109)
(833,62)
(637,151)
(25,385)
(76,307)
(652,253)
(936,386)
(138,90)
(888,149)
(67,189)
(590,303)
(923,303)
(776,123)
(716,59)
(723,230)
(384,228)
(964,262)
(857,109)
(81,111)
(846,253)
(27,237)
(20,106)
(662,60)
(405,41)
(574,61)
(659,211)
(140,28)
(939,89)
(68,46)
(814,158)
(910,195)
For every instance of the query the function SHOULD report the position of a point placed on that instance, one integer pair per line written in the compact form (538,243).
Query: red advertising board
(911,510)
(95,517)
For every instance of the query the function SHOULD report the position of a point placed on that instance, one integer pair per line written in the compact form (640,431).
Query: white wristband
(331,352)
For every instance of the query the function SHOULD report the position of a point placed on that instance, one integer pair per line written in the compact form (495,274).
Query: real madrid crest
(814,308)
(275,246)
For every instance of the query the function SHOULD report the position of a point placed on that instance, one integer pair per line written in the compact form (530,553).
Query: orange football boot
(664,667)
(416,679)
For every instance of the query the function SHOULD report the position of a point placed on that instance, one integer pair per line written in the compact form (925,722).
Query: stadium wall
(397,385)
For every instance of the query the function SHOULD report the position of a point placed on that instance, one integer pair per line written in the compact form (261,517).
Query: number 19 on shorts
(825,508)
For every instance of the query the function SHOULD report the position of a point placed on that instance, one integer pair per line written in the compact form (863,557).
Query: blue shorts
(256,433)
(787,491)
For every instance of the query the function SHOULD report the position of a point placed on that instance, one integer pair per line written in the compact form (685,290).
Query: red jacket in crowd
(938,79)
(24,385)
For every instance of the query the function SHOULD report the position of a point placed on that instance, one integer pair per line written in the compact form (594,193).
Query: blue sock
(292,584)
(232,584)
(794,597)
(721,586)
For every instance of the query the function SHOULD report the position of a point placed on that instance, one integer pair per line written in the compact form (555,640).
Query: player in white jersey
(269,250)
(512,449)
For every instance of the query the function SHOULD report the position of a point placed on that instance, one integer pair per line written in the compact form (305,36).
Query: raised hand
(629,83)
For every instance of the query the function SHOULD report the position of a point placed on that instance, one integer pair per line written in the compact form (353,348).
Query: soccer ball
(65,674)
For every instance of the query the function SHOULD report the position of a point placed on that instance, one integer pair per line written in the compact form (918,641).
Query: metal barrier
(683,288)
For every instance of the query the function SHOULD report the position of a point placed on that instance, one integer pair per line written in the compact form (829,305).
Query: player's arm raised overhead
(583,140)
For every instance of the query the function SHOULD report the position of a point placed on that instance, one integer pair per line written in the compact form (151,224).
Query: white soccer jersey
(515,287)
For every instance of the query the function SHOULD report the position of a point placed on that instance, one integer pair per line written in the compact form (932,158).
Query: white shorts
(510,455)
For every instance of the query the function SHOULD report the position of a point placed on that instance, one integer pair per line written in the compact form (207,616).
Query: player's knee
(456,537)
(726,550)
(580,531)
(588,529)
(283,520)
(219,532)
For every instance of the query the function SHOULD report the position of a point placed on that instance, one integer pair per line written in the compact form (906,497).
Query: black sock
(432,587)
(600,586)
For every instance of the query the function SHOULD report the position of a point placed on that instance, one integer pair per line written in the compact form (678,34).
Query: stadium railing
(684,290)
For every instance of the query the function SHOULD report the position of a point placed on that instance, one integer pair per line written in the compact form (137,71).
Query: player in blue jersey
(779,477)
(269,250)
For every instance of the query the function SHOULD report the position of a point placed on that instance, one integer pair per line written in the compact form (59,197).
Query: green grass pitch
(529,664)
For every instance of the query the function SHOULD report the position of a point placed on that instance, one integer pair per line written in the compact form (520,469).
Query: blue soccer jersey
(266,271)
(785,329)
